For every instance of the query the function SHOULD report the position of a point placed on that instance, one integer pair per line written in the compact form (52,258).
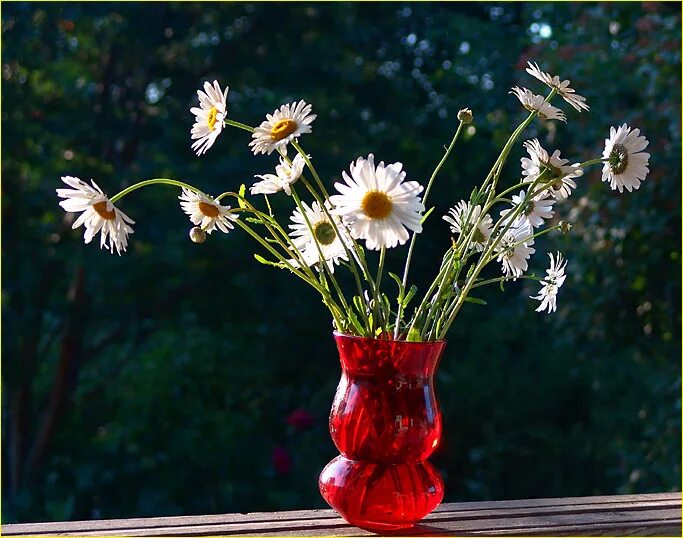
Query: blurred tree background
(187,379)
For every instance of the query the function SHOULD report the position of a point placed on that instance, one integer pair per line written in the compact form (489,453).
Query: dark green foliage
(161,382)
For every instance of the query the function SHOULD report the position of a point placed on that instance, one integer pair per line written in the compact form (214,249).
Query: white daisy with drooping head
(282,126)
(99,215)
(377,204)
(462,216)
(514,248)
(551,283)
(627,165)
(321,229)
(536,103)
(559,175)
(206,212)
(209,116)
(562,87)
(535,210)
(286,174)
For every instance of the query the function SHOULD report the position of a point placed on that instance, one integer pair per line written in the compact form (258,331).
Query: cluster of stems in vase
(374,208)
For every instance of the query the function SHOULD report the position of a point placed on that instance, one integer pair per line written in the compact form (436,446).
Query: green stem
(334,308)
(504,279)
(322,261)
(413,239)
(239,125)
(157,181)
(379,303)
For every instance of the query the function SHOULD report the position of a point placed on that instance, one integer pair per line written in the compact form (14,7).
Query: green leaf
(411,293)
(475,300)
(424,217)
(354,321)
(242,192)
(262,260)
(474,197)
(401,290)
(413,335)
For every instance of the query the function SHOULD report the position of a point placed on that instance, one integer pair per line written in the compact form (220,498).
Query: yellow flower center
(209,210)
(282,129)
(211,121)
(102,211)
(376,205)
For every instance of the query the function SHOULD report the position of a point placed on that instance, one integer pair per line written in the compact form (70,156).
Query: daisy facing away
(209,116)
(566,92)
(322,230)
(281,127)
(377,204)
(206,212)
(461,217)
(515,248)
(537,209)
(536,103)
(285,176)
(627,164)
(553,281)
(98,214)
(560,175)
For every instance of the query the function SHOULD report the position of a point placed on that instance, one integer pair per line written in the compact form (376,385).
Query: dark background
(186,379)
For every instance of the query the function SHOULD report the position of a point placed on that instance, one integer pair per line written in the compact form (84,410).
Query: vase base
(381,497)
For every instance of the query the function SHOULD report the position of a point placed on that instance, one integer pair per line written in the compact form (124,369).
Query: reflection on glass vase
(385,421)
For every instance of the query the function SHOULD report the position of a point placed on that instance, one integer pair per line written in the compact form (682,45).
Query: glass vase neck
(376,356)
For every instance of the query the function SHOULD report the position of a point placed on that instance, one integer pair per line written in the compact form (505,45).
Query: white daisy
(559,174)
(281,127)
(567,93)
(536,103)
(536,210)
(551,283)
(99,214)
(285,176)
(206,212)
(627,165)
(209,116)
(514,248)
(461,217)
(330,243)
(377,204)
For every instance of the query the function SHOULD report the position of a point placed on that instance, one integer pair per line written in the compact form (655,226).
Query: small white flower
(461,217)
(209,116)
(514,248)
(285,176)
(323,230)
(281,127)
(559,174)
(99,215)
(536,103)
(537,209)
(206,212)
(551,283)
(377,204)
(567,93)
(627,165)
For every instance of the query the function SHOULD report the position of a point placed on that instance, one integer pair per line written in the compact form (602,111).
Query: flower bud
(197,235)
(465,116)
(564,226)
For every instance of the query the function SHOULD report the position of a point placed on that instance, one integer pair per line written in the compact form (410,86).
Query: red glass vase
(386,422)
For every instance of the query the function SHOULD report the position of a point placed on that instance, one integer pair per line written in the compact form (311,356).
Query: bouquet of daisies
(375,208)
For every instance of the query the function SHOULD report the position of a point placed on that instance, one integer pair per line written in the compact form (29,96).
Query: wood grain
(620,515)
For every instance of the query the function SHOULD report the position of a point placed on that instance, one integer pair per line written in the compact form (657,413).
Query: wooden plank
(649,514)
(545,524)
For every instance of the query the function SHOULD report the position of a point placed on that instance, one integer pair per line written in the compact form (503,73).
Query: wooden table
(634,515)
